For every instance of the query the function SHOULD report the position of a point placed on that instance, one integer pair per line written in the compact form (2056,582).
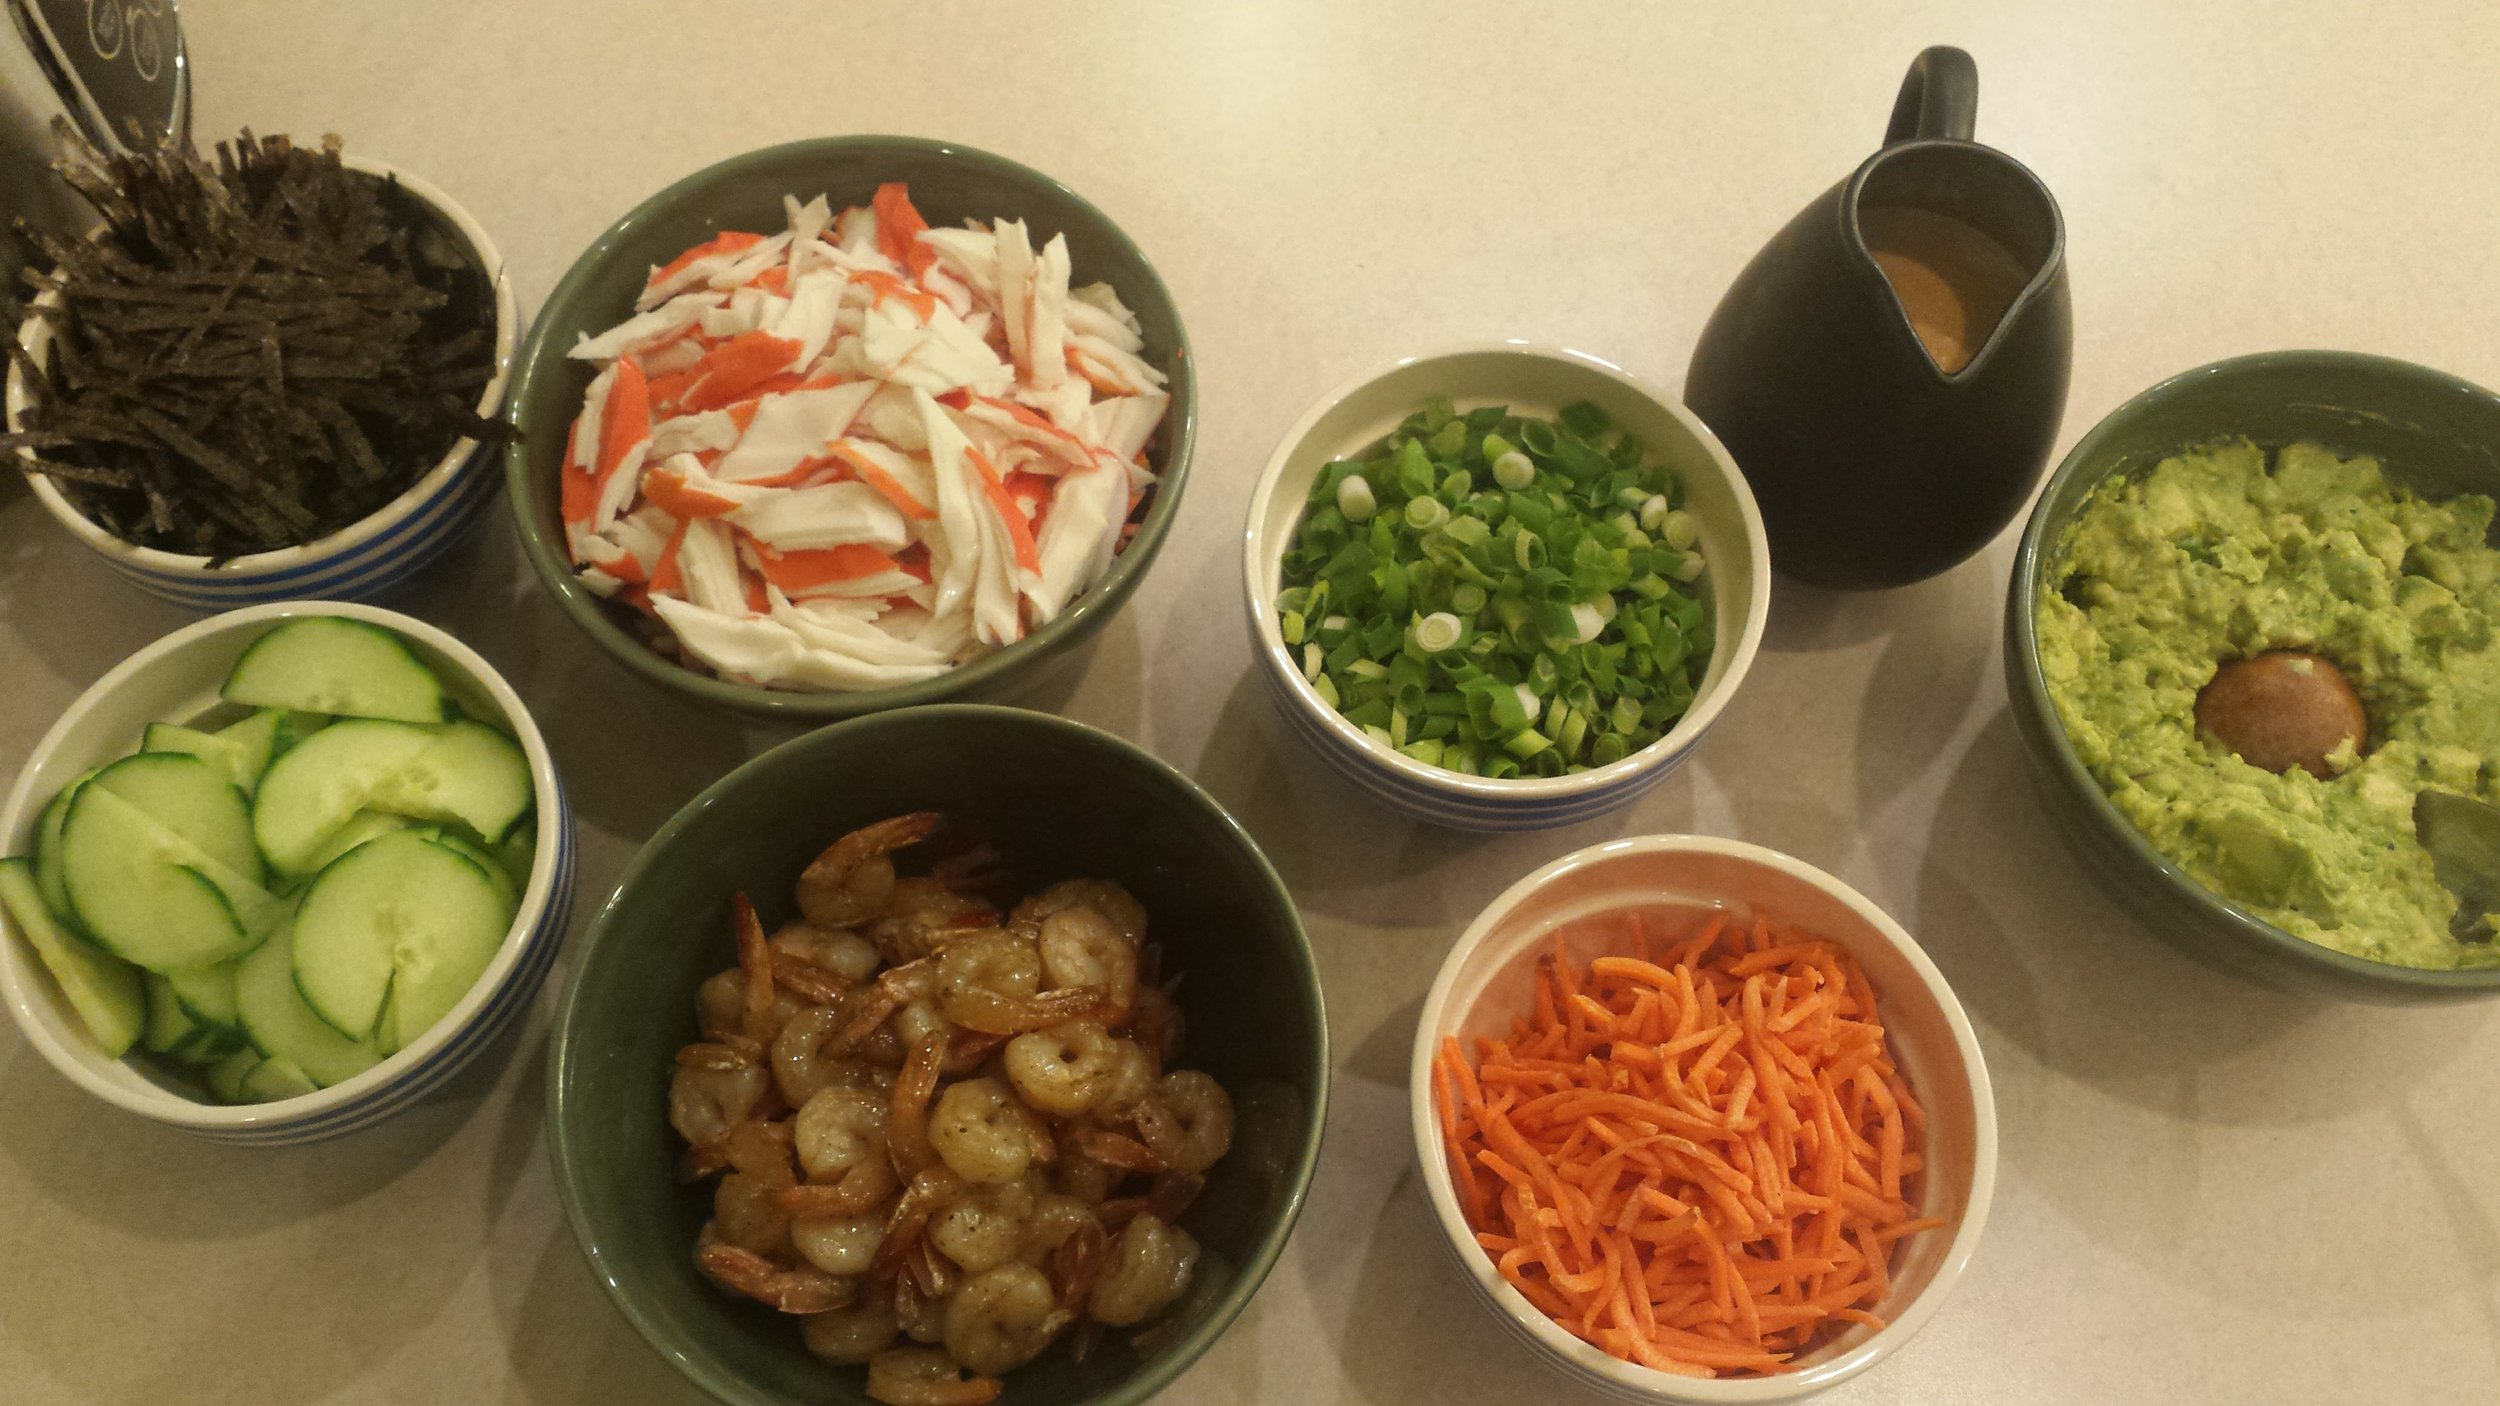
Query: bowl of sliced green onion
(1505,587)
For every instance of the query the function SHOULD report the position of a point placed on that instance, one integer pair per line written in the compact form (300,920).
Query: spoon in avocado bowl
(2463,837)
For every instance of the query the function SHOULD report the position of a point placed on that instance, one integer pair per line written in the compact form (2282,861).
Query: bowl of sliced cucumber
(283,873)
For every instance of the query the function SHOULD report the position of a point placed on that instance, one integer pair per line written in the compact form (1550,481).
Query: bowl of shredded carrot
(1701,1122)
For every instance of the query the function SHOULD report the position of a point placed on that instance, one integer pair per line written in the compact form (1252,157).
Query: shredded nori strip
(250,355)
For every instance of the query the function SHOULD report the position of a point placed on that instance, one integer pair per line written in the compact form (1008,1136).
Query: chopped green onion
(1354,498)
(1497,594)
(1679,529)
(1438,631)
(1526,743)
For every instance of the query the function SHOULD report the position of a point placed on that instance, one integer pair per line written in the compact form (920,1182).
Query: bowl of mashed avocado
(2255,615)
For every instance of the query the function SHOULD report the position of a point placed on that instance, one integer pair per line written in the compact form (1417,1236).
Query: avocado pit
(2282,709)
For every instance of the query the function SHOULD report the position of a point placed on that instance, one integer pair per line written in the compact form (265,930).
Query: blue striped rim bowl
(177,677)
(369,557)
(1736,584)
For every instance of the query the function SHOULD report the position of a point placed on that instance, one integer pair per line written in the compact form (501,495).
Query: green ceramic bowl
(2432,433)
(1058,800)
(949,184)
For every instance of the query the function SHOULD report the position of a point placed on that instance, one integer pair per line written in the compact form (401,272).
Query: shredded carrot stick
(1697,1157)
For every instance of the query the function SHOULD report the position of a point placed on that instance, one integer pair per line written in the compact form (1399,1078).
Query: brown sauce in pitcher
(1953,281)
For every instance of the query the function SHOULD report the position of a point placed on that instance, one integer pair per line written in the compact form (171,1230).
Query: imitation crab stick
(849,454)
(1696,1163)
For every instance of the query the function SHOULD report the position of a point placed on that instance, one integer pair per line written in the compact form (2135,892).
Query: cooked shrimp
(907,1110)
(1110,900)
(921,1317)
(981,1131)
(844,953)
(1066,1069)
(841,1143)
(1002,1318)
(919,1376)
(791,1290)
(854,877)
(976,1147)
(1134,1075)
(1079,947)
(1146,1269)
(986,1228)
(991,982)
(747,1213)
(923,915)
(803,1063)
(759,1019)
(855,1334)
(838,1244)
(705,1103)
(720,1004)
(1188,1123)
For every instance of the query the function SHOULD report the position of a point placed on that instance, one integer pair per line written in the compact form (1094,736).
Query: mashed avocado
(2227,552)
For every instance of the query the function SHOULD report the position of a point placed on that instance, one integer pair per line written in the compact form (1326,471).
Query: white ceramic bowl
(369,557)
(1736,584)
(1487,980)
(177,677)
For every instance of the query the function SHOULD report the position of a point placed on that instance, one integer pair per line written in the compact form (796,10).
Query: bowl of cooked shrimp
(889,1073)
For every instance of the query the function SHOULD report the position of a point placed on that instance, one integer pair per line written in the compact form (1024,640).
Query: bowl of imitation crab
(1216,914)
(1700,1122)
(788,452)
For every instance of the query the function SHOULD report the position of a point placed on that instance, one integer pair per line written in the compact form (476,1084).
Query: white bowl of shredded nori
(271,366)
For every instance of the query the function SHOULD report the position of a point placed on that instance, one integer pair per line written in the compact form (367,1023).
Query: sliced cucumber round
(463,772)
(104,990)
(274,1079)
(281,1026)
(362,826)
(254,738)
(471,773)
(206,994)
(315,787)
(493,867)
(324,664)
(150,896)
(229,756)
(192,798)
(48,851)
(168,1023)
(401,920)
(226,1077)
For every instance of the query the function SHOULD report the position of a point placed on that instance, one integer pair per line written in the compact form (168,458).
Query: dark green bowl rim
(1090,609)
(2030,564)
(1174,1358)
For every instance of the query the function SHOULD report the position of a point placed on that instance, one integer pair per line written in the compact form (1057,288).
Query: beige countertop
(2209,1192)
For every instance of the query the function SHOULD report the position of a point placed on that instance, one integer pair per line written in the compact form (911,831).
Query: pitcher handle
(1939,98)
